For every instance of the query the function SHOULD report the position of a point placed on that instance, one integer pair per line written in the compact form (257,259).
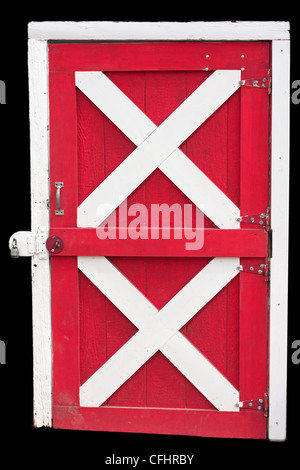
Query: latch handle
(58,186)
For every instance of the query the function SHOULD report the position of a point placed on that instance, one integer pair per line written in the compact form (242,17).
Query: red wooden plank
(253,200)
(63,147)
(64,273)
(217,242)
(254,148)
(253,335)
(65,333)
(158,56)
(243,425)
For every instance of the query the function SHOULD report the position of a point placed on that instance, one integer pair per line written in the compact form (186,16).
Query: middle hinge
(260,268)
(262,219)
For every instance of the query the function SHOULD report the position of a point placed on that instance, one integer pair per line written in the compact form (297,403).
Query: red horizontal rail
(215,242)
(191,422)
(157,56)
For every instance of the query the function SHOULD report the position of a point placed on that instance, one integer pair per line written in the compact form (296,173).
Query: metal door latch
(25,243)
(58,210)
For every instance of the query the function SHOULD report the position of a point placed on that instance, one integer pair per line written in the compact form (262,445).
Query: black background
(20,442)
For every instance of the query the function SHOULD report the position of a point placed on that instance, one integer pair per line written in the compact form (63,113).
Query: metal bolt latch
(54,244)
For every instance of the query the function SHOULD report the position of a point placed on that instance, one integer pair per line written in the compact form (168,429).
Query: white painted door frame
(39,33)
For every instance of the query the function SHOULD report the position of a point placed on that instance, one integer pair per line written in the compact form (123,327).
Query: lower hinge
(261,404)
(25,243)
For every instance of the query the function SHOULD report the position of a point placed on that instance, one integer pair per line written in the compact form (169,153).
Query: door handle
(58,210)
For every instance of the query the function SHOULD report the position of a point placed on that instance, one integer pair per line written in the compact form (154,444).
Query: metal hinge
(260,404)
(261,269)
(25,243)
(263,219)
(261,82)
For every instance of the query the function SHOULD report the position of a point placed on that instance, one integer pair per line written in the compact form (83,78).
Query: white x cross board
(159,330)
(157,147)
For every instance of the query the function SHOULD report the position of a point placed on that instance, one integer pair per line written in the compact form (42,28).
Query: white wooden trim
(158,146)
(159,31)
(177,167)
(41,300)
(158,330)
(178,350)
(280,224)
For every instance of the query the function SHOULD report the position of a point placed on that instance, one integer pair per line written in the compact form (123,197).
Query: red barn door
(159,237)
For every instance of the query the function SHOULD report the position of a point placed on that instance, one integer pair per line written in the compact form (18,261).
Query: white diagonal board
(159,330)
(138,309)
(157,147)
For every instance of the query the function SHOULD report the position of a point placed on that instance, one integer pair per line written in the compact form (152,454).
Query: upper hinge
(262,219)
(260,404)
(25,243)
(260,82)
